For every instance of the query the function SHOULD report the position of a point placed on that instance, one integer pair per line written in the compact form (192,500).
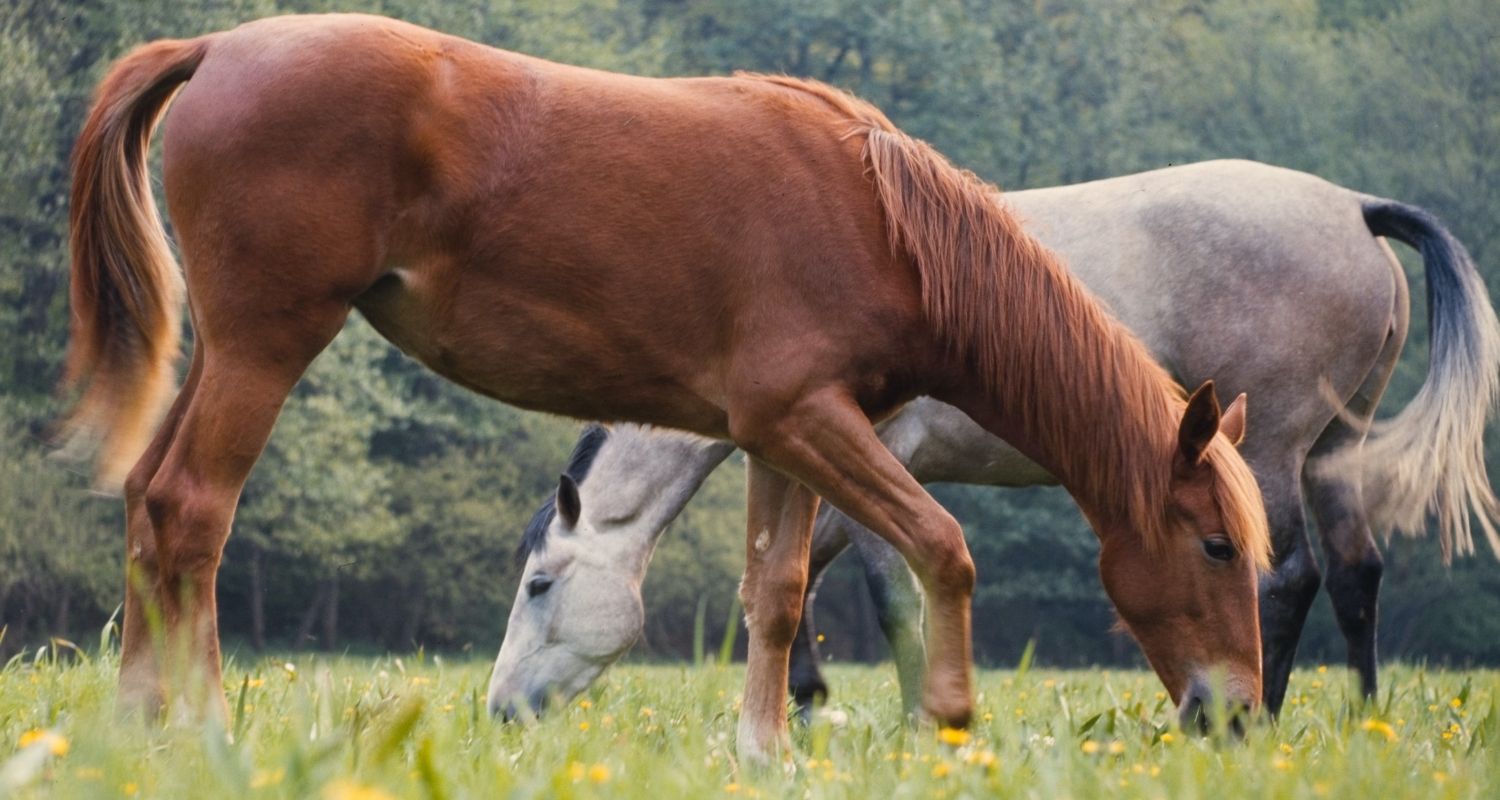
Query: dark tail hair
(1429,458)
(126,290)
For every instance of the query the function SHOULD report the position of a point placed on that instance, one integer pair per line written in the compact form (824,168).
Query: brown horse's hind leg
(827,442)
(190,499)
(779,533)
(140,677)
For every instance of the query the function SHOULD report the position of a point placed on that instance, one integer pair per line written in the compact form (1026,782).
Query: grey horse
(1309,310)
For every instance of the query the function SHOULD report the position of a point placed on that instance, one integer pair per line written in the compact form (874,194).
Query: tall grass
(416,726)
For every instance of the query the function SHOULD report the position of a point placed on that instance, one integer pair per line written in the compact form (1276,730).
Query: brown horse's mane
(1079,384)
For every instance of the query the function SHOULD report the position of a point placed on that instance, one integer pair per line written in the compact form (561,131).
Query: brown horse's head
(1187,591)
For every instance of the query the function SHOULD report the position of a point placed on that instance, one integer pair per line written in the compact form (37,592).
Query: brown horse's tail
(1429,458)
(126,288)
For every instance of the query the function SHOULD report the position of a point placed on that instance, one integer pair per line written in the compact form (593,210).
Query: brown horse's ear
(569,506)
(1232,423)
(1199,424)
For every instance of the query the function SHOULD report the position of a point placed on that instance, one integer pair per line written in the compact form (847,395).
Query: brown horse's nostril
(1199,710)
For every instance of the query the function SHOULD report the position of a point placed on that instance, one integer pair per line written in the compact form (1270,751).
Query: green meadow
(415,726)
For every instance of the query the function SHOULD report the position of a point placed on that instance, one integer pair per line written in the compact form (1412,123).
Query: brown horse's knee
(773,609)
(944,557)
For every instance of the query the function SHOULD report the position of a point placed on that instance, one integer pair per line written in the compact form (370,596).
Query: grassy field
(347,728)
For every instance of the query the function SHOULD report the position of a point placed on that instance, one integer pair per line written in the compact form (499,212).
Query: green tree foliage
(387,505)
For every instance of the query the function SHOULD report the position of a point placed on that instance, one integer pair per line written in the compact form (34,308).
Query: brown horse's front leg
(827,442)
(779,536)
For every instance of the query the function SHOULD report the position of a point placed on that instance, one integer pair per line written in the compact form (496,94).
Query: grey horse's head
(578,608)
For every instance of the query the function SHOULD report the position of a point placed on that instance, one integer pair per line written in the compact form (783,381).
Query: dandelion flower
(1089,747)
(1380,727)
(1116,747)
(1456,702)
(56,744)
(345,789)
(599,774)
(955,737)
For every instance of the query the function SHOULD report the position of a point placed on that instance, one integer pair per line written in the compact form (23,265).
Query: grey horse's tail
(1429,458)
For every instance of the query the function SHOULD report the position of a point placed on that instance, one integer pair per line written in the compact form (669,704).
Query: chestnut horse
(753,258)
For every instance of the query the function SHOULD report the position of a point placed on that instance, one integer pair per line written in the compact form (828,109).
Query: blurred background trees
(387,506)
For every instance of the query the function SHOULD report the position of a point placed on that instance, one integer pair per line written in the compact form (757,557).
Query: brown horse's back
(534,206)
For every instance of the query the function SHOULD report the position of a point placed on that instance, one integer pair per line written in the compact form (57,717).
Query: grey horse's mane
(534,538)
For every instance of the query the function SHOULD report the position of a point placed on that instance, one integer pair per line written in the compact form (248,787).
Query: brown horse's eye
(1218,548)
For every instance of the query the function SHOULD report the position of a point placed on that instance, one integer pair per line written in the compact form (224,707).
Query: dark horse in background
(756,259)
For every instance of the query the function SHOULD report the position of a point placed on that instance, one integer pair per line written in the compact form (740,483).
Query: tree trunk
(331,612)
(257,601)
(60,620)
(310,616)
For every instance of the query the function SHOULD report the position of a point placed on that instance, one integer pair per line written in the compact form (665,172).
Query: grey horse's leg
(899,606)
(804,678)
(1354,563)
(1288,591)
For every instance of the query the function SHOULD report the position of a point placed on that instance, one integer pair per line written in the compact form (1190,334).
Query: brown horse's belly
(489,344)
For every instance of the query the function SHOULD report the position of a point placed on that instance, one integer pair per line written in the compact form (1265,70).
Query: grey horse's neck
(642,478)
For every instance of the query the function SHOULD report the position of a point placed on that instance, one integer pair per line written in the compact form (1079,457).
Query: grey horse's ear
(1232,422)
(569,507)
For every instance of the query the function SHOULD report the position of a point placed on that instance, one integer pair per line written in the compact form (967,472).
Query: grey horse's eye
(1219,548)
(538,586)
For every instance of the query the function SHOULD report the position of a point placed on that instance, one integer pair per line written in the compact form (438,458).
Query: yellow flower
(820,638)
(345,789)
(56,744)
(1282,764)
(130,789)
(599,773)
(1090,747)
(256,683)
(1168,738)
(941,769)
(647,712)
(1155,770)
(988,717)
(1116,747)
(1456,702)
(1439,777)
(585,704)
(957,737)
(1286,748)
(983,758)
(576,771)
(1380,727)
(731,788)
(263,778)
(1322,669)
(583,726)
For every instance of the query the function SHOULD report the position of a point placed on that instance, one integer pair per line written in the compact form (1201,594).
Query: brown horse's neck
(1043,364)
(1082,396)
